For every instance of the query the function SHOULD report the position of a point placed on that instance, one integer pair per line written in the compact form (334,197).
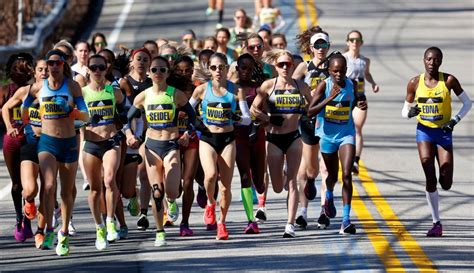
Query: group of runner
(174,113)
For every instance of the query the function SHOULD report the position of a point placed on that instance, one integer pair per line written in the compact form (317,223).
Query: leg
(190,164)
(446,166)
(145,188)
(92,166)
(111,161)
(67,174)
(293,160)
(154,168)
(275,159)
(226,169)
(208,154)
(49,169)
(359,117)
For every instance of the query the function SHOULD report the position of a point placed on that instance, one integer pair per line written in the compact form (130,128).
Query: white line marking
(119,24)
(6,190)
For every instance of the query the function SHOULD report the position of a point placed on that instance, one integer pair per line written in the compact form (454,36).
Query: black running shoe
(323,221)
(142,223)
(347,228)
(261,215)
(301,221)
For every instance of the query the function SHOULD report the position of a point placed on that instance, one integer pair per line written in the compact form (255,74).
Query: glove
(414,111)
(277,120)
(448,127)
(78,124)
(200,126)
(254,127)
(231,115)
(95,119)
(62,103)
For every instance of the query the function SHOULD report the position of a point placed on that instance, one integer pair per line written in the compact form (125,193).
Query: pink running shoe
(436,230)
(184,230)
(18,232)
(252,228)
(210,214)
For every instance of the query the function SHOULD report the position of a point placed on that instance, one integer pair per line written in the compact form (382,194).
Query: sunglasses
(220,67)
(54,62)
(283,64)
(253,47)
(94,67)
(321,46)
(353,40)
(100,44)
(161,69)
(239,17)
(188,40)
(170,56)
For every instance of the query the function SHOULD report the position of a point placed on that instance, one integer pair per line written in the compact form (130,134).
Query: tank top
(48,107)
(214,107)
(286,101)
(335,121)
(435,103)
(228,54)
(138,87)
(34,114)
(100,103)
(268,16)
(15,119)
(160,110)
(315,75)
(355,70)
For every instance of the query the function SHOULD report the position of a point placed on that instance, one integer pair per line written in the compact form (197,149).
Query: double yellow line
(380,243)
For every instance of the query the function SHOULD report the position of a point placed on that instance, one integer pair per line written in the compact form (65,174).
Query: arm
(316,104)
(120,106)
(300,71)
(453,84)
(245,119)
(255,108)
(410,108)
(369,78)
(305,91)
(134,112)
(185,106)
(361,99)
(83,113)
(16,100)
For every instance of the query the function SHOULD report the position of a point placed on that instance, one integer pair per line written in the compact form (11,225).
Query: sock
(101,225)
(50,230)
(247,200)
(329,194)
(346,213)
(109,219)
(40,230)
(144,211)
(261,201)
(433,203)
(356,159)
(304,212)
(221,15)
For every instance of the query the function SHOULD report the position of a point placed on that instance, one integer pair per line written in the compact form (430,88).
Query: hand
(133,142)
(375,88)
(414,111)
(448,127)
(62,103)
(231,115)
(184,140)
(181,115)
(95,119)
(13,132)
(362,104)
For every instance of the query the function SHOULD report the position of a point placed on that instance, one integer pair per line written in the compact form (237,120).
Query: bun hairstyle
(257,73)
(21,63)
(303,39)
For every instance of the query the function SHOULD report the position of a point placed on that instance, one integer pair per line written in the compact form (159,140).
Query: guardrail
(34,43)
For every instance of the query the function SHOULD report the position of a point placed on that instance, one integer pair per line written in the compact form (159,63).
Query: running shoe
(167,222)
(301,221)
(30,210)
(160,239)
(39,238)
(201,197)
(123,232)
(211,227)
(86,186)
(142,223)
(355,168)
(133,207)
(173,210)
(19,232)
(56,216)
(289,231)
(252,228)
(261,214)
(210,214)
(347,228)
(310,190)
(184,230)
(323,221)
(27,231)
(209,11)
(436,230)
(62,248)
(48,241)
(101,242)
(222,233)
(72,228)
(112,234)
(329,208)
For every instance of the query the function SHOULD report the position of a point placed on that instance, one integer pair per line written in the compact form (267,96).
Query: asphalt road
(389,207)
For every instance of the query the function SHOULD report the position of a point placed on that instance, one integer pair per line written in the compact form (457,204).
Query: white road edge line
(119,24)
(6,190)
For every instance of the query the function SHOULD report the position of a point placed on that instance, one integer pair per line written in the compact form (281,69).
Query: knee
(210,176)
(187,183)
(109,181)
(446,183)
(347,177)
(426,160)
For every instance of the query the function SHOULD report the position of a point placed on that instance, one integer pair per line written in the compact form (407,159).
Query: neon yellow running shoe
(112,234)
(133,206)
(173,210)
(62,248)
(101,242)
(160,239)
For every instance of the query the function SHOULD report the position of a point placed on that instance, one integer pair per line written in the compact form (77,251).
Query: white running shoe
(289,231)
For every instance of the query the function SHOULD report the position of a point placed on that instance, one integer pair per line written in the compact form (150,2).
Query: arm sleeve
(406,108)
(80,103)
(193,102)
(28,101)
(189,110)
(246,117)
(466,104)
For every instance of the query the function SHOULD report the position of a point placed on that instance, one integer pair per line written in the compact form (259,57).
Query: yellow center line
(301,16)
(313,14)
(408,243)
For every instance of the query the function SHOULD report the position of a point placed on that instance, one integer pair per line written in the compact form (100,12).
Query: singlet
(214,107)
(160,110)
(268,16)
(286,101)
(315,75)
(100,103)
(355,70)
(335,120)
(435,103)
(48,107)
(137,87)
(228,54)
(16,120)
(34,114)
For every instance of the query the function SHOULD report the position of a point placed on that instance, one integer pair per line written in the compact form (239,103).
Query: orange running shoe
(39,238)
(222,233)
(30,210)
(210,214)
(167,222)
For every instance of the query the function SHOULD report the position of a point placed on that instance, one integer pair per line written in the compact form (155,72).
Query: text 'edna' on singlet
(215,107)
(49,108)
(160,110)
(435,103)
(100,103)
